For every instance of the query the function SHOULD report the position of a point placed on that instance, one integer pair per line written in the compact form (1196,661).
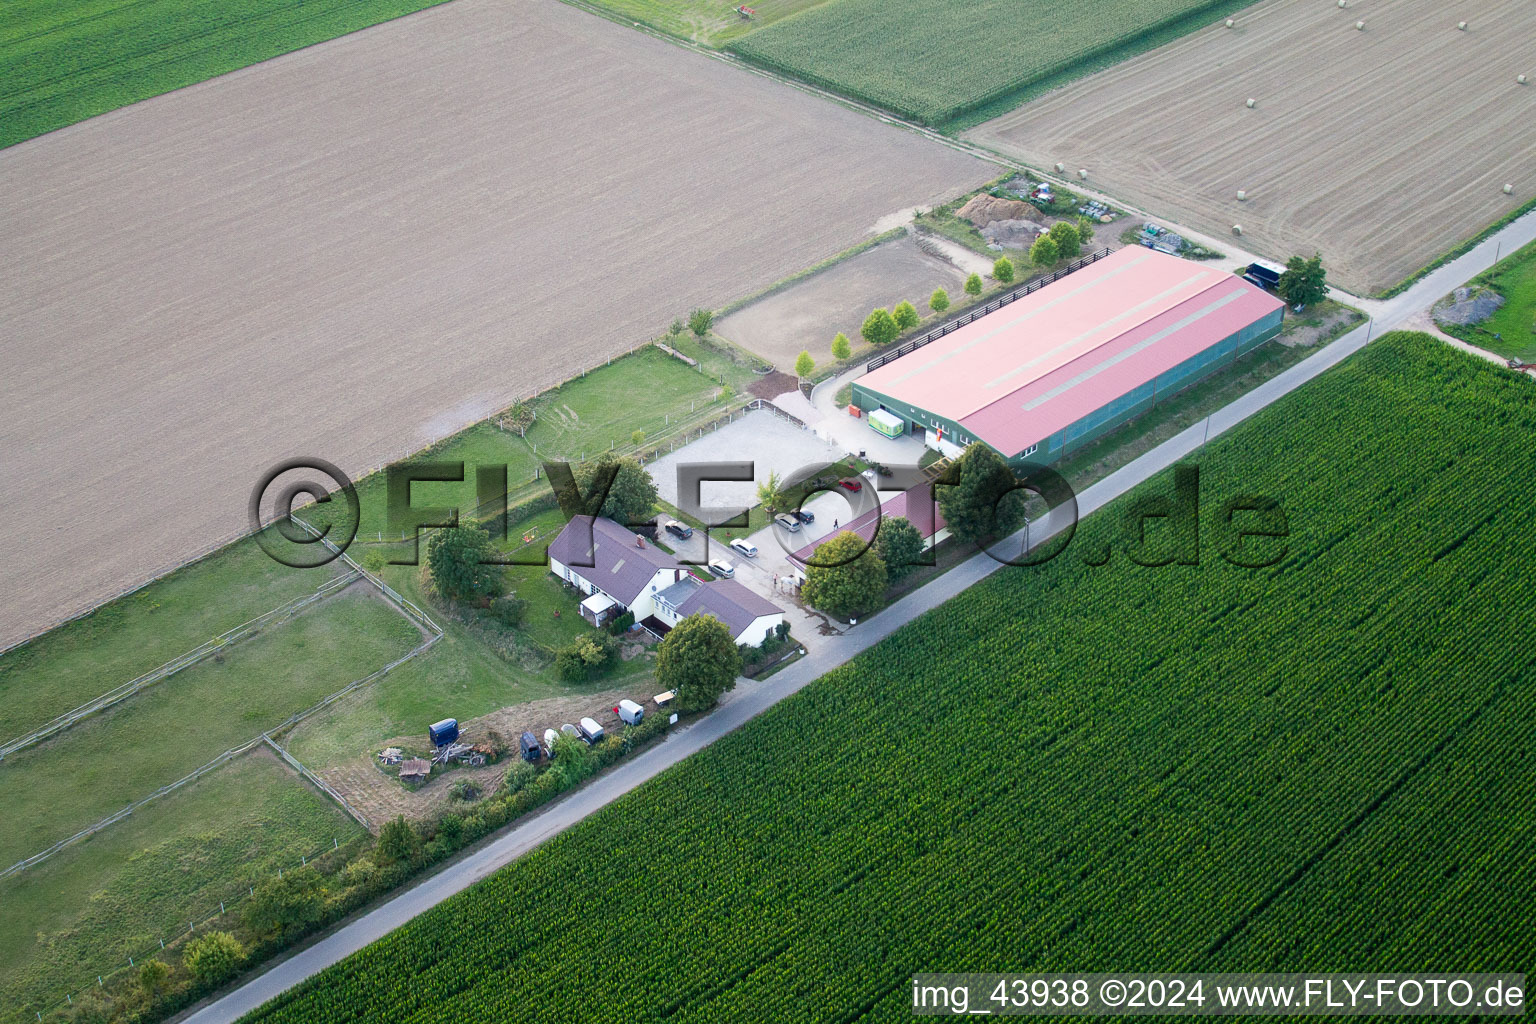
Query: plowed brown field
(355,249)
(1381,148)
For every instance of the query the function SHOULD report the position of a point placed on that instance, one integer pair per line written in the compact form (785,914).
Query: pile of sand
(983,209)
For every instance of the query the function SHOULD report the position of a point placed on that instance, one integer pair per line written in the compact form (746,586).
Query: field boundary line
(318,782)
(274,616)
(406,607)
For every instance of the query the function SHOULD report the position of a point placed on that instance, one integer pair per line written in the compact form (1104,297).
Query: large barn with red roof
(1061,366)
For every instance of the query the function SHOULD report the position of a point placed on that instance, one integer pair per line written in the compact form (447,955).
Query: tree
(899,546)
(153,974)
(939,300)
(845,577)
(1068,242)
(1085,231)
(700,321)
(1002,270)
(631,497)
(804,364)
(905,316)
(213,957)
(286,904)
(676,328)
(842,348)
(1305,282)
(398,841)
(637,438)
(457,559)
(770,493)
(374,561)
(1044,252)
(973,285)
(981,506)
(699,660)
(585,657)
(880,327)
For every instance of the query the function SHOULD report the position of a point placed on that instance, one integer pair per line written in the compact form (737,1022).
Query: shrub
(289,903)
(1044,252)
(1002,270)
(457,558)
(213,957)
(509,609)
(585,657)
(621,625)
(398,842)
(1085,231)
(519,776)
(450,827)
(153,974)
(464,791)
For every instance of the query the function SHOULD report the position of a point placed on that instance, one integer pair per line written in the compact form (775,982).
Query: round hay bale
(1343,4)
(1509,189)
(1461,25)
(1242,194)
(1082,172)
(1521,79)
(1360,25)
(1250,102)
(1231,23)
(1237,229)
(1060,167)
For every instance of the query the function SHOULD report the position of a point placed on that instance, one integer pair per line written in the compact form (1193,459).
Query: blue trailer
(444,732)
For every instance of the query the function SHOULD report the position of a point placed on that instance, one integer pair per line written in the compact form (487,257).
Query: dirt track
(360,247)
(1382,148)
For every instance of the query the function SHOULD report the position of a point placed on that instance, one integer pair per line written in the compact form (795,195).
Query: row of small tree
(1063,241)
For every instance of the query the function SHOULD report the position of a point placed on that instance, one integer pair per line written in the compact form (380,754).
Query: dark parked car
(530,746)
(804,516)
(678,529)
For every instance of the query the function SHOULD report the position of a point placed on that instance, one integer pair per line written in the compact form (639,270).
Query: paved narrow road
(752,698)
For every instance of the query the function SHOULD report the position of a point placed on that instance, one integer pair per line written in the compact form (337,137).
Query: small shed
(599,608)
(415,770)
(885,423)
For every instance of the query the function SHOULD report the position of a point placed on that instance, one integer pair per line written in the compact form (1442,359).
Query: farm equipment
(746,12)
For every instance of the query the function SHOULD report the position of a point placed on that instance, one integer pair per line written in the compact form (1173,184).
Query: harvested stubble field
(355,249)
(1380,148)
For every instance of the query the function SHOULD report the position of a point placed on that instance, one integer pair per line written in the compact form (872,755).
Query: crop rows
(933,60)
(1324,764)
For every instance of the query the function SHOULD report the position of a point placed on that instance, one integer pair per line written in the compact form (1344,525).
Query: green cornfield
(1321,764)
(62,61)
(935,60)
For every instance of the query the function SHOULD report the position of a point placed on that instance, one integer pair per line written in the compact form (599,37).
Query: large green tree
(632,496)
(699,659)
(905,315)
(899,546)
(1069,241)
(1044,252)
(457,560)
(880,327)
(845,577)
(1305,282)
(981,505)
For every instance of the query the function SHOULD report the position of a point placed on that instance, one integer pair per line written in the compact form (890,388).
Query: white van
(744,547)
(630,713)
(590,730)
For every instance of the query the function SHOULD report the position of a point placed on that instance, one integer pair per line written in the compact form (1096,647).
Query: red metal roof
(917,506)
(1018,375)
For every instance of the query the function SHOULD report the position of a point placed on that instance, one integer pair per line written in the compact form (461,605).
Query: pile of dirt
(1468,307)
(772,385)
(1012,234)
(983,209)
